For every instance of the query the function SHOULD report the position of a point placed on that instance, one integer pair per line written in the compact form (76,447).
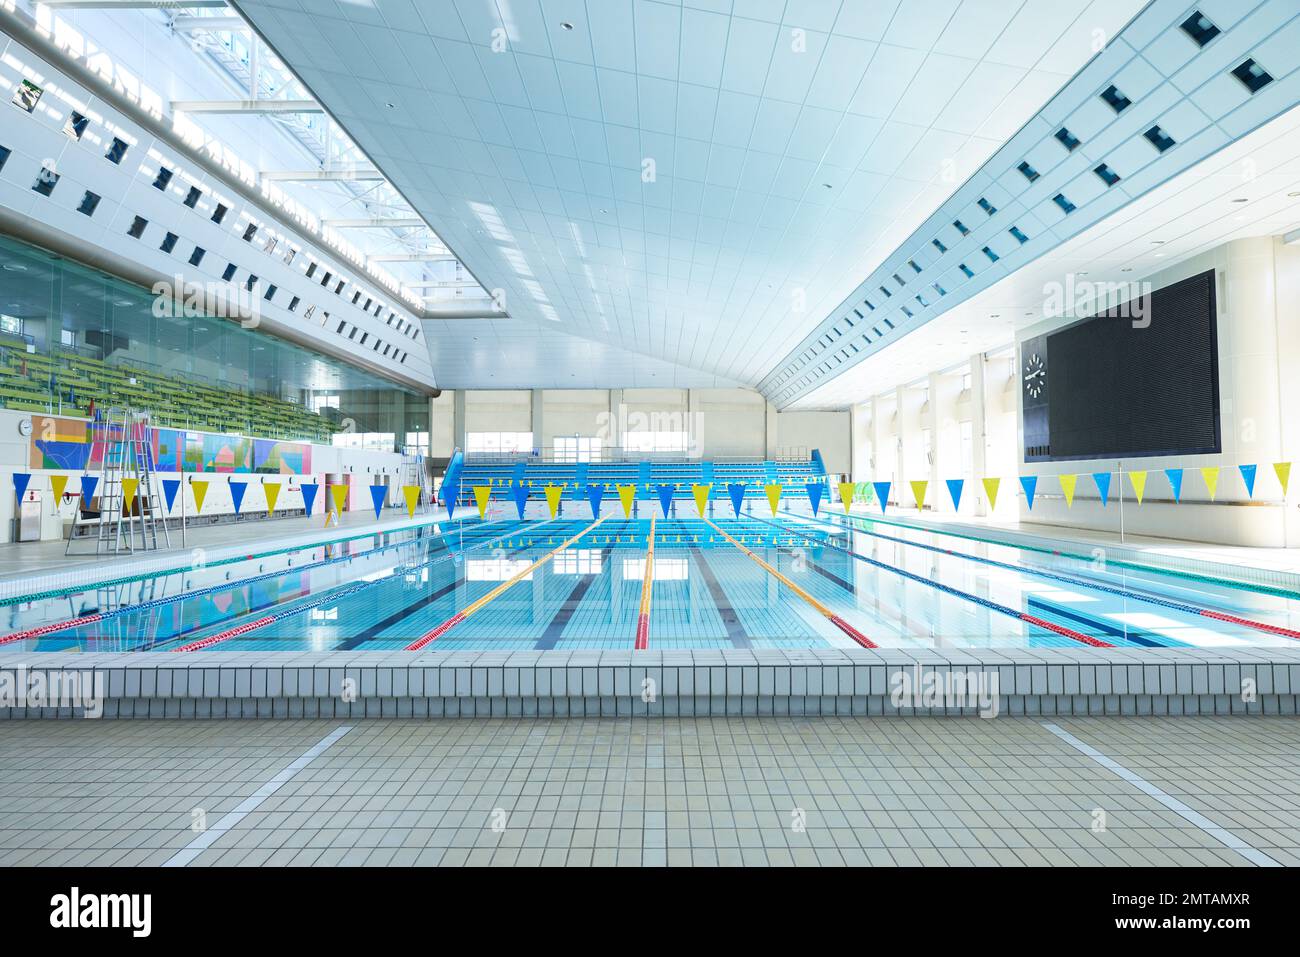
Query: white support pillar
(536,421)
(458,418)
(979,430)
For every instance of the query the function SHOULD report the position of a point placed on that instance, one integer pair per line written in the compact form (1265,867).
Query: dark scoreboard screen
(1140,379)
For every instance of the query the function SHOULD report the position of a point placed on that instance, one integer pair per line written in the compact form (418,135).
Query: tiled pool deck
(718,791)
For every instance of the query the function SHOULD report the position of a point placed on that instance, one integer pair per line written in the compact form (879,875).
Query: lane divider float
(456,619)
(834,619)
(647,594)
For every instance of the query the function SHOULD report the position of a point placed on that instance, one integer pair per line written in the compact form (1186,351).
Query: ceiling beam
(436,257)
(465,309)
(320,175)
(135,4)
(440,284)
(246,106)
(186,24)
(376,222)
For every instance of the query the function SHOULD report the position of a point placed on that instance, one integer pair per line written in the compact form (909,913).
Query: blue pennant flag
(237,490)
(377,495)
(519,492)
(309,495)
(882,493)
(954,489)
(594,494)
(170,487)
(1247,476)
(815,490)
(1103,485)
(88,483)
(1029,483)
(737,493)
(665,497)
(1175,482)
(20,483)
(451,501)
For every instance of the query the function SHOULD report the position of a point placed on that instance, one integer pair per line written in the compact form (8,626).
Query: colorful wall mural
(65,445)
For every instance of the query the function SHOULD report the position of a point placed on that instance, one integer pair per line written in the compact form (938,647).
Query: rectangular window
(270,292)
(75,128)
(169,242)
(250,282)
(961,227)
(249,232)
(4,156)
(1067,207)
(46,180)
(293,304)
(1067,139)
(219,214)
(1107,175)
(1115,99)
(311,270)
(196,257)
(229,274)
(89,202)
(988,207)
(1159,138)
(116,151)
(1199,28)
(1253,75)
(163,178)
(1028,171)
(27,96)
(499,443)
(137,227)
(192,197)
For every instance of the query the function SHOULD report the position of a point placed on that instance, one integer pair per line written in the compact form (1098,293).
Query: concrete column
(770,429)
(933,421)
(979,431)
(536,421)
(861,425)
(903,435)
(458,418)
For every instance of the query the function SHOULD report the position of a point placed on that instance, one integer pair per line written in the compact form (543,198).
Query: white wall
(827,431)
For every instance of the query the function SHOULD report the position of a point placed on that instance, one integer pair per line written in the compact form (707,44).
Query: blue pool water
(796,581)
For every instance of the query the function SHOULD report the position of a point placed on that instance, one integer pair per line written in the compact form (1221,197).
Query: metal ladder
(126,438)
(413,473)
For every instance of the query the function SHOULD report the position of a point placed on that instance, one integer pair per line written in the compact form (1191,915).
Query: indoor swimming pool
(753,581)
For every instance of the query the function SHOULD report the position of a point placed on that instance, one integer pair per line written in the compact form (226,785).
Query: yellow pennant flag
(200,488)
(918,492)
(773,496)
(412,495)
(481,495)
(339,493)
(128,494)
(1283,470)
(553,493)
(272,490)
(626,495)
(991,490)
(59,482)
(1211,475)
(1067,488)
(701,497)
(1139,480)
(846,495)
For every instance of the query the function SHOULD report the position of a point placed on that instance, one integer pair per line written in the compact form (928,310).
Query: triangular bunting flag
(1248,476)
(594,494)
(773,495)
(954,492)
(412,495)
(918,492)
(991,486)
(815,490)
(170,488)
(519,492)
(1103,485)
(237,490)
(1210,474)
(1175,477)
(20,483)
(340,495)
(1030,484)
(627,495)
(198,486)
(1067,488)
(57,484)
(846,496)
(309,490)
(1283,471)
(272,490)
(1139,480)
(553,493)
(701,493)
(482,493)
(129,485)
(377,495)
(665,498)
(88,483)
(882,493)
(737,493)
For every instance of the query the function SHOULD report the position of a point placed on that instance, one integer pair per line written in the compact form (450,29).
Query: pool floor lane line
(1220,834)
(829,615)
(245,807)
(436,633)
(956,592)
(555,628)
(647,594)
(736,632)
(339,593)
(1076,582)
